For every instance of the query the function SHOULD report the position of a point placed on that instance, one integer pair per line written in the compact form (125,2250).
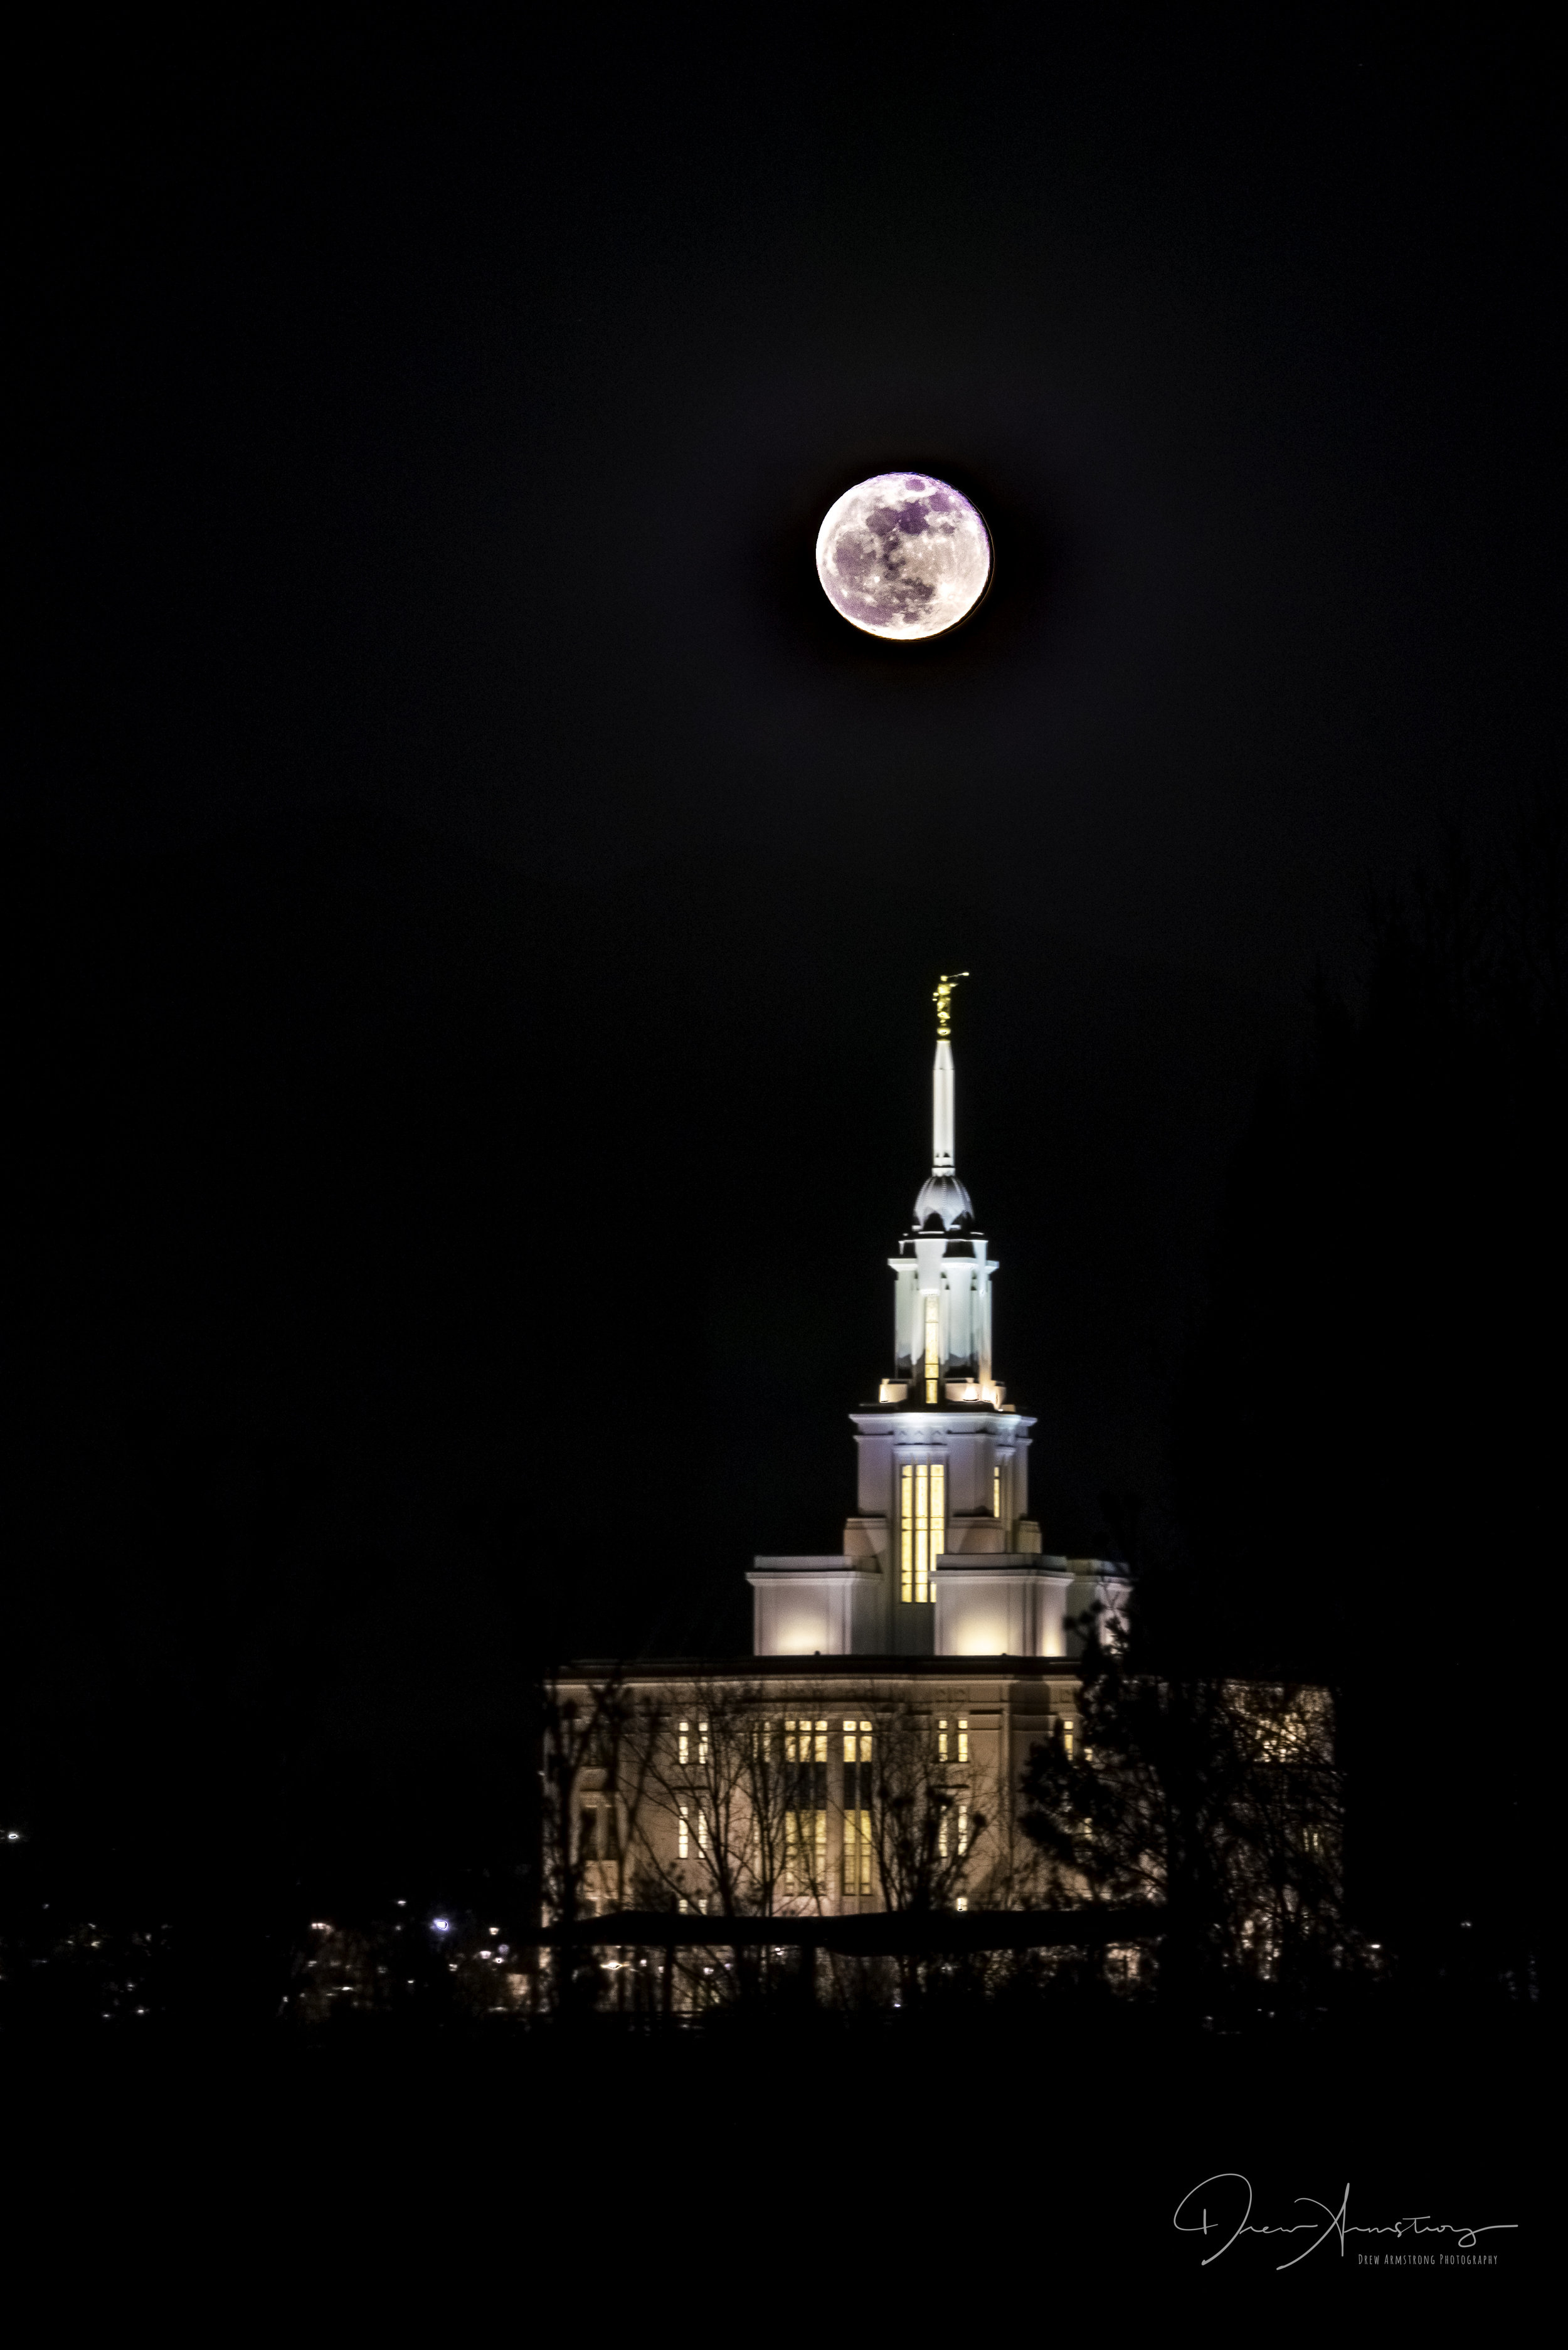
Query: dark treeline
(1368,1433)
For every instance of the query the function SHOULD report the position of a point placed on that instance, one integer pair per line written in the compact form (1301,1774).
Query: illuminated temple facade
(941,1557)
(934,1649)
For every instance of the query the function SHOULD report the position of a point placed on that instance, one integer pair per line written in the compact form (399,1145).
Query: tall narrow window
(962,1756)
(683,1837)
(806,1822)
(923,1519)
(857,1807)
(933,1346)
(683,1743)
(996,1492)
(856,1854)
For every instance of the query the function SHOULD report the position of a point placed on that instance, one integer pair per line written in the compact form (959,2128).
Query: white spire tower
(941,1557)
(942,1078)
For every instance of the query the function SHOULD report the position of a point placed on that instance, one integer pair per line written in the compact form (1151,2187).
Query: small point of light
(441,1925)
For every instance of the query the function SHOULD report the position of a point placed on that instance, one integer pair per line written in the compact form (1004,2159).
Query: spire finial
(944,1000)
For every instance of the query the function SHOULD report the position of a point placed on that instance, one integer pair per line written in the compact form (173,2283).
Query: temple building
(922,1660)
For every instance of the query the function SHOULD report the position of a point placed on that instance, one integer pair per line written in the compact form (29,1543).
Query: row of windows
(805,1845)
(806,1740)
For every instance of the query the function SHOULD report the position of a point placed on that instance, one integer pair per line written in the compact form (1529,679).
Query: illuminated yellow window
(963,1754)
(963,1830)
(805,1825)
(683,1835)
(941,1742)
(996,1492)
(933,1346)
(805,1852)
(922,1526)
(701,1742)
(856,1854)
(683,1743)
(856,1807)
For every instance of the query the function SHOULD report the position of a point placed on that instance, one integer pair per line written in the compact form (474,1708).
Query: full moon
(903,556)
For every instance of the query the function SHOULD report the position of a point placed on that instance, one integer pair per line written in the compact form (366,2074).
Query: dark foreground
(1037,2160)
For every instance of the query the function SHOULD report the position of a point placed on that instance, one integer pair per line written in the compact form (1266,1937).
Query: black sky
(462,865)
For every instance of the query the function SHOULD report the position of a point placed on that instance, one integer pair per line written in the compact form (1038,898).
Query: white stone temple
(941,1557)
(897,1686)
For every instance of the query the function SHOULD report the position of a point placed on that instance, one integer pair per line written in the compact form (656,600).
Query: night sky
(476,905)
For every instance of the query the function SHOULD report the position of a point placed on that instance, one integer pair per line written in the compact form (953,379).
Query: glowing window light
(857,1807)
(806,1851)
(683,1743)
(923,1490)
(996,1492)
(963,1742)
(933,1346)
(683,1837)
(856,1854)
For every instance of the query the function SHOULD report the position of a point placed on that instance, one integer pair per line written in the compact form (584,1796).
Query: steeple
(941,1299)
(944,1203)
(941,1557)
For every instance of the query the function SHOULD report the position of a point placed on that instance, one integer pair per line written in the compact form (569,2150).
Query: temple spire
(943,1075)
